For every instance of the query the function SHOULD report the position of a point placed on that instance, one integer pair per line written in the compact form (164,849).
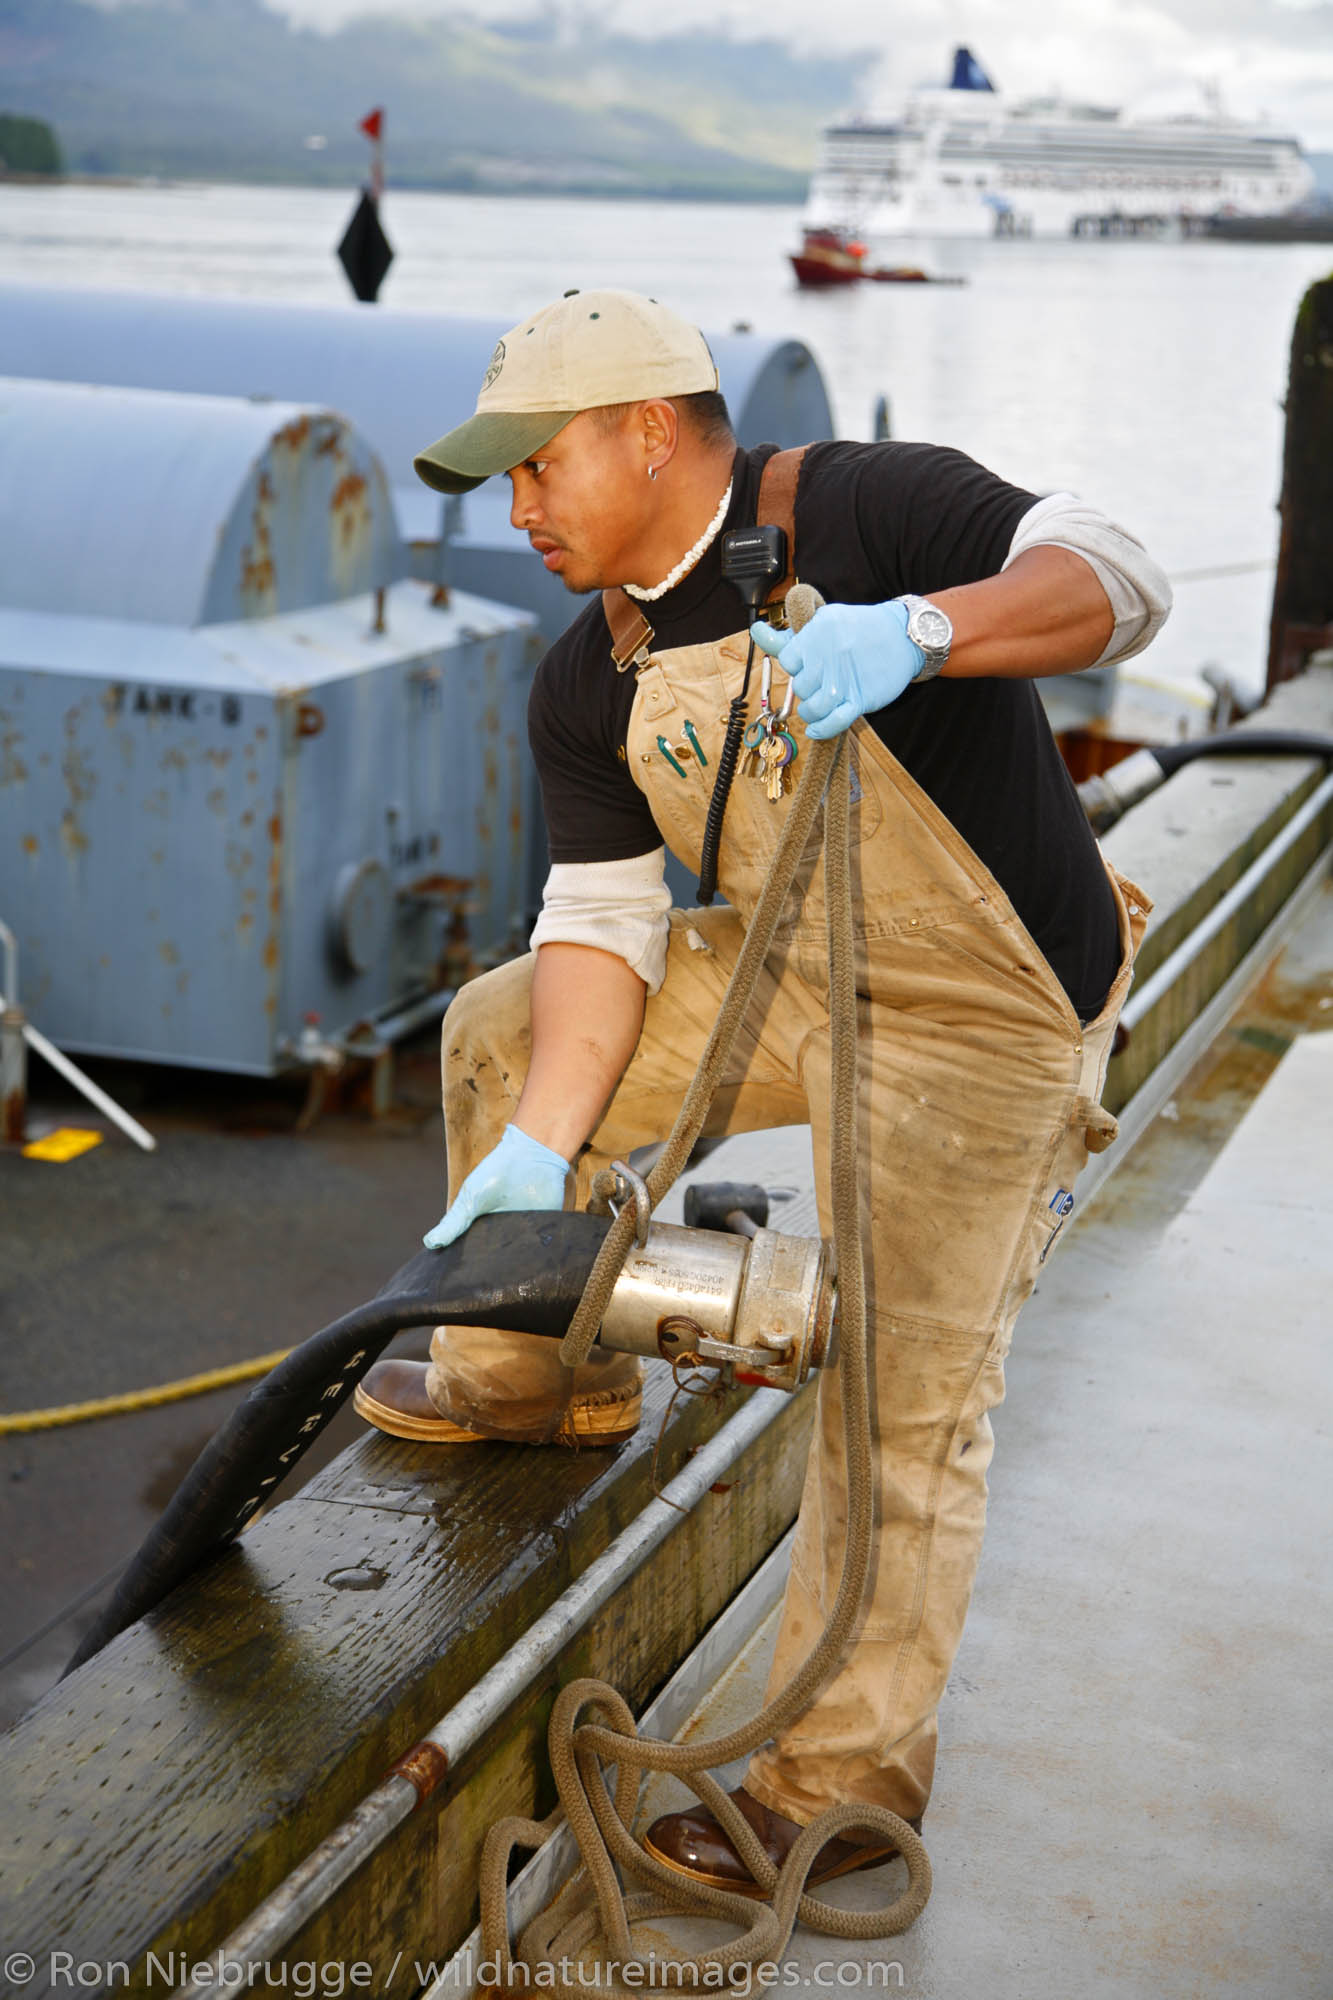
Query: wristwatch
(932,630)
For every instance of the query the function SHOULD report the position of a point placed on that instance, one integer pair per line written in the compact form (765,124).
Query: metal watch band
(935,656)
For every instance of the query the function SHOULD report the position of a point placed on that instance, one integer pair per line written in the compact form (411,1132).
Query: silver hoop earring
(652,472)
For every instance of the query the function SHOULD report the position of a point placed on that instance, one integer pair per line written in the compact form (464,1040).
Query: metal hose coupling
(761,1308)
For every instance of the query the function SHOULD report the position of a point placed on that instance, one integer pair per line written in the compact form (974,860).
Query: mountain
(227,89)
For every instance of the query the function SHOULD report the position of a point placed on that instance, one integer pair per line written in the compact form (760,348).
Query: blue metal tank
(250,774)
(185,510)
(402,378)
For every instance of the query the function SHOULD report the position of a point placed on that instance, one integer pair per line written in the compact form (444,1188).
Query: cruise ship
(967,160)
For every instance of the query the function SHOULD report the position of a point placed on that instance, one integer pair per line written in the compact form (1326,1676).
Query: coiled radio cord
(727,761)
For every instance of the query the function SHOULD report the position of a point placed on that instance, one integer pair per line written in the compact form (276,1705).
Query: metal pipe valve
(763,1308)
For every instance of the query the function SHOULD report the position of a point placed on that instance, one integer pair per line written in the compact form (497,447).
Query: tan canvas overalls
(979,1096)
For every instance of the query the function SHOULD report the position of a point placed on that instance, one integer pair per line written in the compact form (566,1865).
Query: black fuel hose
(525,1272)
(1107,797)
(1242,743)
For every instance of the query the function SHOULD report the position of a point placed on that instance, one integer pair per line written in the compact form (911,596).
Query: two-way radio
(754,559)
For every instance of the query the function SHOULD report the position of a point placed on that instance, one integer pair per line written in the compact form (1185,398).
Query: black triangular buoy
(365,252)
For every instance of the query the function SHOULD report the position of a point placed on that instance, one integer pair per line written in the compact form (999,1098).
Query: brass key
(774,758)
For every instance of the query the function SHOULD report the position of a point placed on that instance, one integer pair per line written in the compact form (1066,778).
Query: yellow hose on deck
(141,1399)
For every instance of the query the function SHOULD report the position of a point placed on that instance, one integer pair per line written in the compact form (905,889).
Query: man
(993,946)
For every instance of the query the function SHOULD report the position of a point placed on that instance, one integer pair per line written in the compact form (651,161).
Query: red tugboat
(833,257)
(828,257)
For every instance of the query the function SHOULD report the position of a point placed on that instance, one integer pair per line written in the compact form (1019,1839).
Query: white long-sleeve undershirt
(1136,588)
(616,906)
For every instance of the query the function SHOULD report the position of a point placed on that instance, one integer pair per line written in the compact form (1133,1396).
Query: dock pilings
(1303,591)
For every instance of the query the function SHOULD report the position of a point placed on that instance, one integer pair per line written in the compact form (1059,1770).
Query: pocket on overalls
(1044,1226)
(1057,1212)
(1089,1130)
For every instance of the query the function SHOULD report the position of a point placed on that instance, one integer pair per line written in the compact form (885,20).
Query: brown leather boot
(394,1396)
(694,1844)
(515,1386)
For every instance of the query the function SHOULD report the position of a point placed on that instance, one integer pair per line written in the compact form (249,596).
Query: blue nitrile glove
(518,1173)
(848,661)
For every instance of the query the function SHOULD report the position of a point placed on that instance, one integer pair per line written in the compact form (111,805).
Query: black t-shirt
(872,521)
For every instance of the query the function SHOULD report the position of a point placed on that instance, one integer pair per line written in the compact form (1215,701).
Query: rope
(141,1399)
(591,1909)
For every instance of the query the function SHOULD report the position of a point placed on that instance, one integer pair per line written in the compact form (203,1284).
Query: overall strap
(631,633)
(777,507)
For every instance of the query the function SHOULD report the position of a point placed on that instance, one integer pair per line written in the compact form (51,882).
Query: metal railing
(312,1885)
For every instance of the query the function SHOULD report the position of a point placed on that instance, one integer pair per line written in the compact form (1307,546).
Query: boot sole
(590,1423)
(873,1858)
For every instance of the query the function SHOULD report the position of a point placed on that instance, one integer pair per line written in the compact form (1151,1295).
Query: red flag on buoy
(373,127)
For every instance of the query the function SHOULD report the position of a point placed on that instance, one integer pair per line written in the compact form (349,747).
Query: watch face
(931,629)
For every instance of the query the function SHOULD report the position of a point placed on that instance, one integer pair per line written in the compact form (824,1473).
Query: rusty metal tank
(253,778)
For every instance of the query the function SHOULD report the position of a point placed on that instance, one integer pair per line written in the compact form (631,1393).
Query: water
(1146,376)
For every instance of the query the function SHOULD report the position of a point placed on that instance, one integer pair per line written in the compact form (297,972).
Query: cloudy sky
(1266,58)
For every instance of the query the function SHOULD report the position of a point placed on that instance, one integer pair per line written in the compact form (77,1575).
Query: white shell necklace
(688,560)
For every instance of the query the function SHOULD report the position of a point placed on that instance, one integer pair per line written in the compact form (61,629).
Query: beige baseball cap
(587,350)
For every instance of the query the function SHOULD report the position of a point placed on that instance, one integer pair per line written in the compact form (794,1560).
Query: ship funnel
(968,73)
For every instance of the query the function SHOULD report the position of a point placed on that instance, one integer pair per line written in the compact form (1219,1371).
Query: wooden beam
(1186,845)
(158,1794)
